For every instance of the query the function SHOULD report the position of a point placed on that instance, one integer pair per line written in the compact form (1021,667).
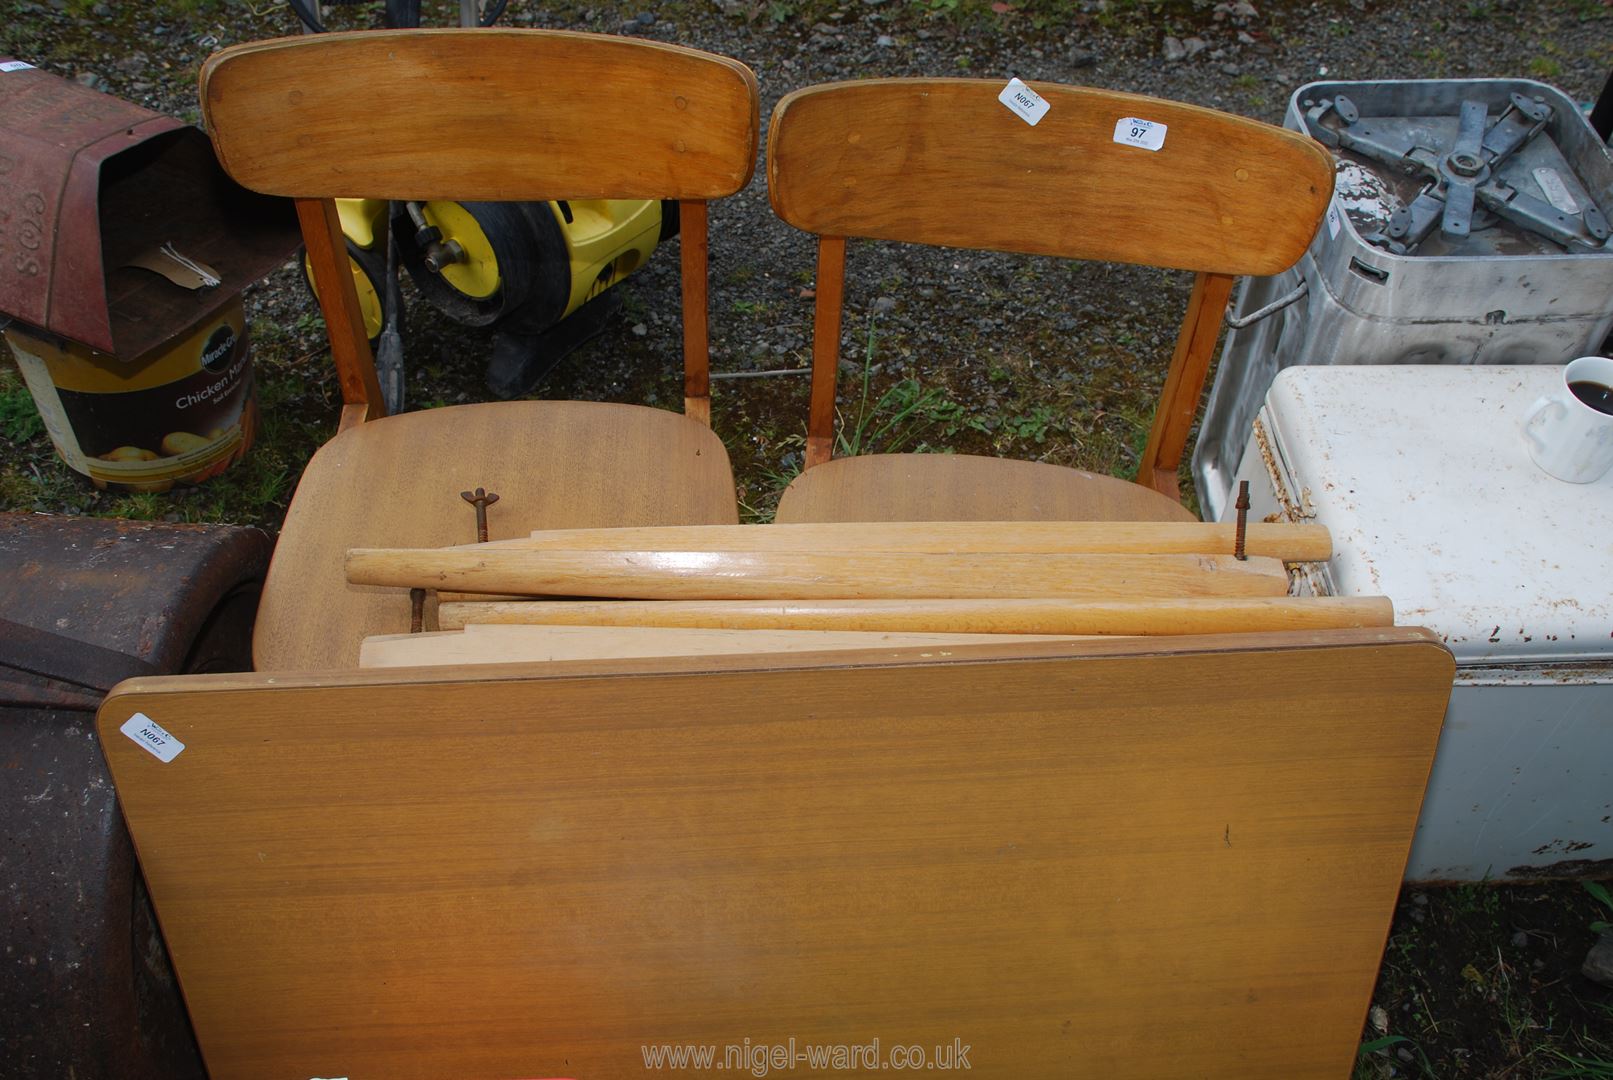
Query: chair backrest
(554,870)
(943,161)
(483,114)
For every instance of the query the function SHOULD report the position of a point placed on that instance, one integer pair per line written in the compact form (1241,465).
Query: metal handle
(1275,306)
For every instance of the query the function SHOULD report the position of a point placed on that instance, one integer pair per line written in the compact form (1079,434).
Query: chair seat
(396,482)
(963,487)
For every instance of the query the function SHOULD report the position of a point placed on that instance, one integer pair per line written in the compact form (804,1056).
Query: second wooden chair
(1101,175)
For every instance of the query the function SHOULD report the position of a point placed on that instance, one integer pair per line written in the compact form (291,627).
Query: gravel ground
(1013,356)
(1007,355)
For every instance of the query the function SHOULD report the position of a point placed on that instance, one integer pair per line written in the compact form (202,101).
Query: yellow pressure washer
(538,273)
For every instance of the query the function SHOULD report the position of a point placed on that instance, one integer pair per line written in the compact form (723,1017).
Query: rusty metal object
(1243,521)
(85,986)
(481,499)
(88,183)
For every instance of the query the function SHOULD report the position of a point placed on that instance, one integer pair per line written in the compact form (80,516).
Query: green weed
(897,418)
(1598,890)
(1366,1068)
(19,419)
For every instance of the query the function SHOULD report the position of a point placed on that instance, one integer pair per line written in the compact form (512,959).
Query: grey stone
(884,41)
(1194,46)
(639,329)
(1174,50)
(1081,58)
(1520,939)
(1598,966)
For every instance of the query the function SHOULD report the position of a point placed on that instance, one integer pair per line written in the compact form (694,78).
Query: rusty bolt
(481,499)
(1243,520)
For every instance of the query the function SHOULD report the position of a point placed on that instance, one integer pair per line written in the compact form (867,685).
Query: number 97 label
(1147,134)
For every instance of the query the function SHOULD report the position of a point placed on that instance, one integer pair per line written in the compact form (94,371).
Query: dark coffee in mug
(1594,394)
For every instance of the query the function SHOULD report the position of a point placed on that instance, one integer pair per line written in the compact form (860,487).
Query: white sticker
(149,734)
(1147,134)
(1556,191)
(1334,224)
(15,65)
(1024,102)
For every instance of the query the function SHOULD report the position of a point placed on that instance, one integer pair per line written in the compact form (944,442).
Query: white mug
(1569,436)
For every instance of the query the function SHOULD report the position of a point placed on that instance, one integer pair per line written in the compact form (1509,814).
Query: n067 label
(151,735)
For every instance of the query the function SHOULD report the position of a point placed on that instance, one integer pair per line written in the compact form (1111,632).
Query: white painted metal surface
(1424,479)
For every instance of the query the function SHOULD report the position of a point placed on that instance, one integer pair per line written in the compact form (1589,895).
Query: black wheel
(508,258)
(369,275)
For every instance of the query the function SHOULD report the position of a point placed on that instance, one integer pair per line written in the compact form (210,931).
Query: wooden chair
(1114,859)
(943,161)
(491,115)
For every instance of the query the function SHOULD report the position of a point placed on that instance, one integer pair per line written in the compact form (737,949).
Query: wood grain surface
(345,329)
(694,258)
(1289,542)
(995,616)
(944,487)
(942,161)
(1100,859)
(513,115)
(783,575)
(1184,383)
(552,464)
(827,304)
(510,644)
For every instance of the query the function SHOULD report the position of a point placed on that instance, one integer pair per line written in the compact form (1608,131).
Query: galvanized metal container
(1502,293)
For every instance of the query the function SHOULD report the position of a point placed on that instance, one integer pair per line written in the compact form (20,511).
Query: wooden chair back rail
(827,307)
(1184,383)
(693,248)
(338,303)
(942,161)
(524,871)
(512,115)
(487,114)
